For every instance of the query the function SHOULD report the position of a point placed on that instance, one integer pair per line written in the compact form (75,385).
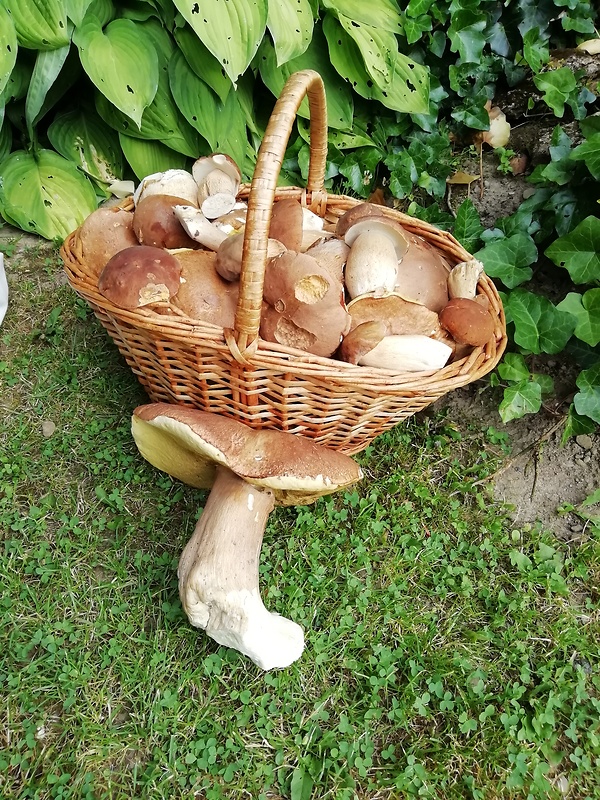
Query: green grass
(448,655)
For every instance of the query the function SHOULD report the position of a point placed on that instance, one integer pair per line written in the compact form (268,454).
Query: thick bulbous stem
(218,575)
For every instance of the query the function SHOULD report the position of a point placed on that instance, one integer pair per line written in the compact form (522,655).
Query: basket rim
(165,320)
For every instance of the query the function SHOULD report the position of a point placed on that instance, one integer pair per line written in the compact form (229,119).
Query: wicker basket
(234,372)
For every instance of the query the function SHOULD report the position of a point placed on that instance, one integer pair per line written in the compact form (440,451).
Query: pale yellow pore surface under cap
(190,444)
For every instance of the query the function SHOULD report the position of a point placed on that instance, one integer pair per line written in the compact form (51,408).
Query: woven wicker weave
(263,384)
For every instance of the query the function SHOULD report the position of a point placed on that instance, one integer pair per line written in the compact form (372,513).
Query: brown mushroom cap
(361,340)
(286,223)
(229,255)
(190,444)
(467,321)
(360,211)
(331,254)
(423,275)
(306,305)
(401,316)
(203,294)
(138,276)
(105,232)
(156,224)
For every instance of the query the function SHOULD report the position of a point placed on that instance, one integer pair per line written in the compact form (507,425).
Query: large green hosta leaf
(202,61)
(340,106)
(378,49)
(48,65)
(231,30)
(223,125)
(40,24)
(5,140)
(84,138)
(76,10)
(161,120)
(381,14)
(290,23)
(44,193)
(146,157)
(8,46)
(408,90)
(121,61)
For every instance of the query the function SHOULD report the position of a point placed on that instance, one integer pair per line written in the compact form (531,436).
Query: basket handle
(262,194)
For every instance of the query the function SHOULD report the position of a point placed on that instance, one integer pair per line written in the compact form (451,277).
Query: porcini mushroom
(463,278)
(422,275)
(286,223)
(467,321)
(199,228)
(401,316)
(139,276)
(229,255)
(218,179)
(250,471)
(203,294)
(103,233)
(175,182)
(369,346)
(377,243)
(156,224)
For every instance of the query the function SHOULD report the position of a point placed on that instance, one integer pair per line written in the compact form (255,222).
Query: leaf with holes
(202,61)
(377,47)
(223,125)
(381,14)
(146,157)
(409,89)
(291,24)
(45,193)
(161,120)
(340,107)
(40,24)
(579,251)
(524,397)
(509,259)
(539,326)
(232,31)
(83,137)
(586,310)
(8,46)
(122,63)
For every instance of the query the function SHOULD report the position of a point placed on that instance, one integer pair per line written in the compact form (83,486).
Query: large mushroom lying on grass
(250,471)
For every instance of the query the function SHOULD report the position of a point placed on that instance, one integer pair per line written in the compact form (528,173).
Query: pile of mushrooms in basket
(363,289)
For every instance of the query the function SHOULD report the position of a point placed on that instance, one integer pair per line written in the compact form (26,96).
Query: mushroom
(286,223)
(229,255)
(199,228)
(138,276)
(234,221)
(305,305)
(250,471)
(203,294)
(103,233)
(400,316)
(156,224)
(175,182)
(463,278)
(376,243)
(218,180)
(467,321)
(332,255)
(369,345)
(423,275)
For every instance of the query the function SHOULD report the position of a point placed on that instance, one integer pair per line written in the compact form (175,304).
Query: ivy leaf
(535,50)
(513,368)
(539,326)
(576,425)
(468,227)
(232,31)
(403,173)
(587,400)
(586,311)
(509,259)
(524,397)
(579,251)
(556,87)
(121,61)
(589,151)
(466,34)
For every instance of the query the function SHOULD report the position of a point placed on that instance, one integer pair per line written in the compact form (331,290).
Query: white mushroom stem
(218,575)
